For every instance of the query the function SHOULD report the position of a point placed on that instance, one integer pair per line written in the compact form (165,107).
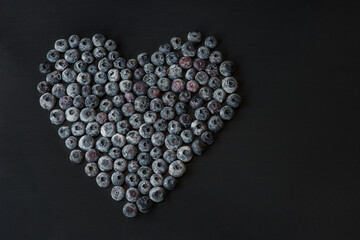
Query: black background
(286,167)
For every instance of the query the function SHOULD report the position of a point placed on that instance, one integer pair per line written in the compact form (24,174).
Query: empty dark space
(286,167)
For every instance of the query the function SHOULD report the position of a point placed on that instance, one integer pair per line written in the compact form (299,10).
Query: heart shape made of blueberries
(137,122)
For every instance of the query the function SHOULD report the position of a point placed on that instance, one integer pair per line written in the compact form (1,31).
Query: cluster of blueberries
(136,122)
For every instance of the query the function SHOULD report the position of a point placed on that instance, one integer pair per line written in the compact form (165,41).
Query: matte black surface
(286,167)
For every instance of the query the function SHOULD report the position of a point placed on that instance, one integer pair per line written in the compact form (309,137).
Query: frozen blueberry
(79,102)
(169,99)
(145,145)
(187,136)
(113,75)
(104,65)
(158,139)
(160,125)
(120,165)
(93,129)
(215,124)
(180,108)
(219,95)
(129,97)
(64,132)
(144,204)
(130,210)
(91,169)
(115,115)
(174,127)
(86,142)
(132,179)
(229,84)
(216,57)
(101,118)
(142,59)
(87,57)
(164,84)
(212,70)
(156,153)
(53,55)
(61,65)
(159,166)
(169,156)
(201,77)
(105,163)
(91,156)
(207,137)
(133,137)
(92,69)
(110,45)
(98,90)
(176,43)
(186,62)
(123,127)
(150,79)
(203,52)
(74,41)
(149,68)
(206,93)
(117,178)
(167,113)
(172,58)
(175,72)
(173,142)
(157,58)
(129,151)
(103,180)
(198,127)
(136,120)
(161,71)
(117,193)
(80,66)
(47,101)
(53,77)
(192,86)
(170,183)
(125,86)
(100,78)
(71,142)
(76,156)
(144,159)
(185,96)
(178,86)
(227,68)
(156,180)
(156,105)
(144,187)
(234,100)
(113,55)
(157,194)
(185,120)
(126,74)
(85,44)
(45,68)
(115,152)
(61,45)
(214,83)
(153,92)
(78,129)
(194,36)
(184,154)
(196,102)
(128,109)
(118,100)
(57,116)
(132,64)
(111,88)
(144,172)
(190,74)
(133,166)
(165,48)
(98,40)
(58,90)
(202,114)
(214,106)
(210,42)
(71,55)
(72,114)
(146,130)
(198,147)
(105,105)
(87,115)
(103,144)
(108,129)
(140,88)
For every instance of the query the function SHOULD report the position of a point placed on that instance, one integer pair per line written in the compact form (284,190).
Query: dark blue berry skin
(47,101)
(172,58)
(92,129)
(159,166)
(105,105)
(144,159)
(130,210)
(105,163)
(101,118)
(158,139)
(78,129)
(114,75)
(118,140)
(167,113)
(140,88)
(173,142)
(57,116)
(108,129)
(115,115)
(153,92)
(126,74)
(192,86)
(187,136)
(132,194)
(146,130)
(111,89)
(64,132)
(216,57)
(215,124)
(117,178)
(214,83)
(83,78)
(43,87)
(198,127)
(123,127)
(227,68)
(156,105)
(139,73)
(100,78)
(118,100)
(157,194)
(219,95)
(76,156)
(113,55)
(45,68)
(143,59)
(196,102)
(161,71)
(141,104)
(169,99)
(144,187)
(156,153)
(175,72)
(185,62)
(61,65)
(180,108)
(87,115)
(61,45)
(160,125)
(188,49)
(194,36)
(128,109)
(120,165)
(80,66)
(53,77)
(169,156)
(136,120)
(229,84)
(199,64)
(212,70)
(129,151)
(190,74)
(203,52)
(98,40)
(178,86)
(74,41)
(164,84)
(145,145)
(103,144)
(185,96)
(165,48)
(110,45)
(129,97)
(103,180)
(92,69)
(210,42)
(156,180)
(91,155)
(144,172)
(226,113)
(149,68)
(157,58)
(132,179)
(87,57)
(170,183)
(72,114)
(115,152)
(202,114)
(120,63)
(214,107)
(53,55)
(71,142)
(207,137)
(125,86)
(176,43)
(185,120)
(104,65)
(206,93)
(91,169)
(86,142)
(85,45)
(133,137)
(177,168)
(91,101)
(150,79)
(71,55)
(234,100)
(132,64)
(144,204)
(117,193)
(65,102)
(198,147)
(174,127)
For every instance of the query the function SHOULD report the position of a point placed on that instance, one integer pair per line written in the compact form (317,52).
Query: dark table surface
(286,167)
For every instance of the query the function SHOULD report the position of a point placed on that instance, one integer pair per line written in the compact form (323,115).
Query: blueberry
(47,101)
(110,45)
(215,124)
(120,165)
(100,78)
(80,66)
(92,69)
(113,55)
(79,102)
(190,74)
(145,145)
(167,113)
(76,156)
(158,139)
(78,129)
(192,86)
(139,73)
(71,142)
(117,193)
(105,105)
(227,68)
(184,154)
(160,125)
(61,65)
(71,55)
(98,40)
(93,129)
(58,90)
(144,159)
(234,100)
(101,118)
(219,95)
(53,55)
(108,129)
(185,96)
(202,78)
(173,142)
(187,136)
(146,130)
(216,57)
(226,113)
(91,169)
(186,62)
(140,88)
(128,109)
(194,36)
(72,114)
(214,83)
(203,52)
(196,102)
(144,172)
(157,58)
(129,97)
(87,115)
(45,68)
(180,108)
(199,64)
(150,79)
(103,144)
(113,75)
(149,68)
(188,49)
(53,77)
(157,194)
(105,163)
(141,104)
(212,70)
(85,44)
(120,63)
(64,132)
(144,187)
(115,152)
(198,127)
(207,137)
(176,43)
(104,65)
(133,166)
(206,93)
(156,180)
(117,178)
(198,147)
(170,183)
(57,116)
(103,180)
(91,101)
(136,120)
(153,92)
(43,87)
(164,84)
(172,58)
(178,86)
(130,210)
(98,90)
(125,86)
(161,71)
(133,137)
(91,156)
(169,156)
(214,106)
(202,114)
(86,142)
(61,45)
(156,105)
(143,59)
(210,42)
(159,166)
(169,99)
(156,153)
(175,71)
(144,204)
(129,152)
(132,64)
(87,57)
(118,100)
(229,84)
(74,41)
(115,115)
(123,127)
(185,120)
(132,180)
(174,127)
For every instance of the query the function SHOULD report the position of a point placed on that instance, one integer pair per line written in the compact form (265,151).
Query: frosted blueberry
(210,42)
(133,137)
(157,194)
(103,144)
(91,156)
(87,115)
(120,165)
(85,44)
(71,142)
(47,101)
(169,183)
(144,187)
(117,178)
(117,193)
(132,179)
(184,154)
(64,132)
(227,68)
(174,127)
(86,142)
(78,129)
(215,124)
(145,145)
(57,116)
(76,156)
(229,84)
(103,180)
(130,210)
(105,163)
(234,100)
(173,142)
(177,168)
(187,136)
(129,151)
(175,72)
(188,49)
(144,172)
(144,204)
(91,169)
(207,137)
(216,57)
(123,127)
(156,180)
(53,55)
(72,114)
(74,41)
(98,40)
(92,129)
(61,45)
